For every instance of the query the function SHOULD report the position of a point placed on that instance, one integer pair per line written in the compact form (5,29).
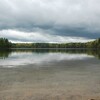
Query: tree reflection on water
(4,53)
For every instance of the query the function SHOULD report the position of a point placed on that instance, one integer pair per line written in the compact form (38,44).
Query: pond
(49,74)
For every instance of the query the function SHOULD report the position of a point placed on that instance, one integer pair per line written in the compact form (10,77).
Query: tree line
(4,43)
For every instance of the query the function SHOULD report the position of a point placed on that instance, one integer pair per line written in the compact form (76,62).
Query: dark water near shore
(43,74)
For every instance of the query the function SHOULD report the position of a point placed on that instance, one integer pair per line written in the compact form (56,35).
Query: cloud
(18,36)
(76,18)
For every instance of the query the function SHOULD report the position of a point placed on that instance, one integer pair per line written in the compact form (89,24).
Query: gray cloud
(76,18)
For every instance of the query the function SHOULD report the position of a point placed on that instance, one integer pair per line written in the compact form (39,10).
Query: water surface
(49,75)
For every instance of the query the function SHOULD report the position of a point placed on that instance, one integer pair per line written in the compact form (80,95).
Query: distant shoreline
(4,43)
(50,48)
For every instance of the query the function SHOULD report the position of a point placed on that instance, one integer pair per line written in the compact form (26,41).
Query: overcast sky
(50,20)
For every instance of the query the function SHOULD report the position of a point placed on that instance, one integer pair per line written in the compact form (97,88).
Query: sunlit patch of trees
(93,44)
(49,45)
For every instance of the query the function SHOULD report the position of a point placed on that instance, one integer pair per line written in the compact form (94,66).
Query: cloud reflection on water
(25,58)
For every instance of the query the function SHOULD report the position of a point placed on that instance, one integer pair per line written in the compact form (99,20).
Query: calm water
(49,75)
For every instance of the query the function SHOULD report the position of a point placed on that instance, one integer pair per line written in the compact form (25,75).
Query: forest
(5,43)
